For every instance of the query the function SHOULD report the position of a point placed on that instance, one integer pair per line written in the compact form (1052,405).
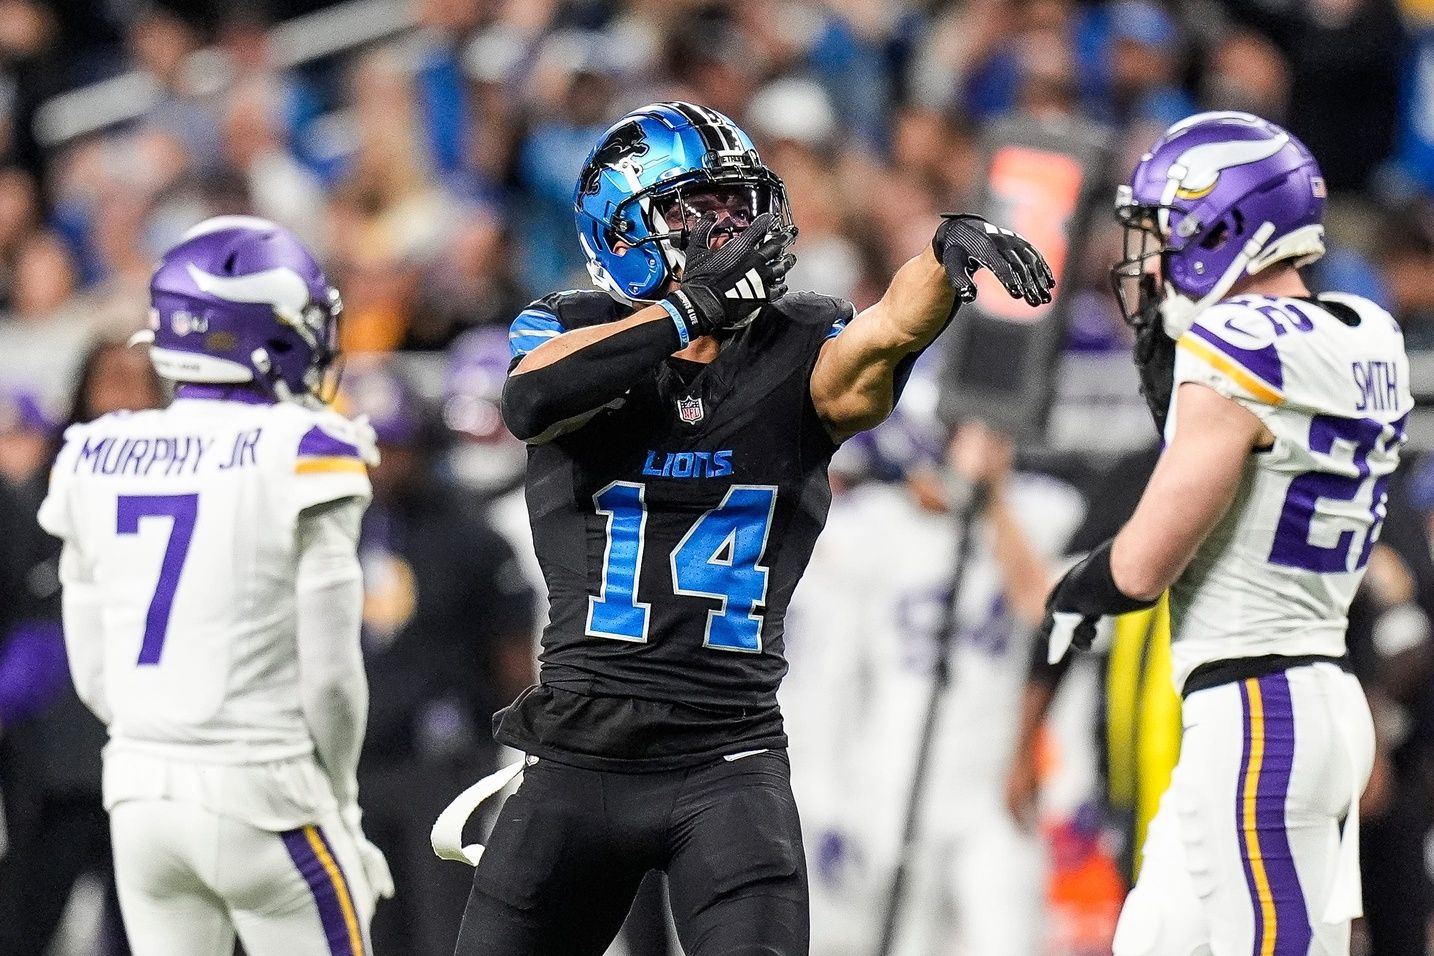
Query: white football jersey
(185,519)
(862,636)
(1277,574)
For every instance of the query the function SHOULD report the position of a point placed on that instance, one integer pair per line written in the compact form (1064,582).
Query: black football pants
(571,846)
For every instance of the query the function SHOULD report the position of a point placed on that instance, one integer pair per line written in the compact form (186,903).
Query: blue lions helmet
(650,178)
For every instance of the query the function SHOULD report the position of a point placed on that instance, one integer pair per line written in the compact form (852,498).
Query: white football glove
(371,858)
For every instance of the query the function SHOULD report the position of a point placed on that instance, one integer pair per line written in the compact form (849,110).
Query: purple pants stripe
(1265,765)
(1273,790)
(330,888)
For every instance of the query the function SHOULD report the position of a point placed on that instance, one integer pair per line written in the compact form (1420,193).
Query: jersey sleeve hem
(532,327)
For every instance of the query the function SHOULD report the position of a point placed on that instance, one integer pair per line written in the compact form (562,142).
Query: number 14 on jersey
(719,558)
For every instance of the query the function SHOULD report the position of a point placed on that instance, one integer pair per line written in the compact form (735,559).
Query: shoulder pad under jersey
(559,312)
(813,308)
(1231,347)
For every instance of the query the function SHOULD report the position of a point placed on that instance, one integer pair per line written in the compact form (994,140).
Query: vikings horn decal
(279,287)
(1203,164)
(626,140)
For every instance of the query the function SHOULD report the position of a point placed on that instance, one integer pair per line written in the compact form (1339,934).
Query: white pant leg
(308,896)
(189,878)
(926,923)
(1244,851)
(999,884)
(161,850)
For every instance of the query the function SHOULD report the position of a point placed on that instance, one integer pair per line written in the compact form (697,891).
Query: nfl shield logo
(689,410)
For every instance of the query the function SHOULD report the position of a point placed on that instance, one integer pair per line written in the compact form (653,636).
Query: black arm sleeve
(586,380)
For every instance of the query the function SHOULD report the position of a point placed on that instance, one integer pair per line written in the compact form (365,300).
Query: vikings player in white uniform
(1283,414)
(212,601)
(863,630)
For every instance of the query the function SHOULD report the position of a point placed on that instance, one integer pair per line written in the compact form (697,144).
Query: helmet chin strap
(1178,312)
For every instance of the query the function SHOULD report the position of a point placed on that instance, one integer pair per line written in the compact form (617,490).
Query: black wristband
(1089,588)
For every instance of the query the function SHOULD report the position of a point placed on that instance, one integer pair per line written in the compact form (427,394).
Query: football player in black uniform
(680,422)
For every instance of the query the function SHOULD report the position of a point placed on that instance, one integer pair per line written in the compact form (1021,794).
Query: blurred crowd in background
(431,166)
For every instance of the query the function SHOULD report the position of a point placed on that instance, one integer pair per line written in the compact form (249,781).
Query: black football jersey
(672,530)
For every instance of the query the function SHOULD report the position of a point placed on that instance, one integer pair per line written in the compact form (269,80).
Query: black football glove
(724,287)
(1080,601)
(1154,354)
(964,243)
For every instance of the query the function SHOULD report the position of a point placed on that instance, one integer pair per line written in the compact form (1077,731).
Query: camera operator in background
(448,623)
(864,632)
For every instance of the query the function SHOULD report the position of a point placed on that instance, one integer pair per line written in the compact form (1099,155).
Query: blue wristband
(683,335)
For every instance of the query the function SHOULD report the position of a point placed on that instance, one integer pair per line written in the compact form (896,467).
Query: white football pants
(979,893)
(189,879)
(1246,856)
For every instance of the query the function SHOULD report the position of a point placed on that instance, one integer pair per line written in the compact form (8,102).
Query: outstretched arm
(860,373)
(855,382)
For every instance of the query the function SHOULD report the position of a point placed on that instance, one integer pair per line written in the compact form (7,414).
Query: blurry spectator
(30,70)
(798,128)
(28,429)
(389,214)
(45,331)
(161,42)
(50,744)
(1405,254)
(1145,61)
(1245,71)
(574,85)
(472,283)
(1344,58)
(448,624)
(276,184)
(444,26)
(45,278)
(244,38)
(19,212)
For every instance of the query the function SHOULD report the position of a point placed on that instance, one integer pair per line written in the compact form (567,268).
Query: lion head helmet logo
(627,141)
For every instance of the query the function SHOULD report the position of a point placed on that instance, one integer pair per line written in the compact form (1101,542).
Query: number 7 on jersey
(181,510)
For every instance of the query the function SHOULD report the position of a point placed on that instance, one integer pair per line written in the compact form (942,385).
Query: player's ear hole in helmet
(1219,197)
(240,300)
(648,180)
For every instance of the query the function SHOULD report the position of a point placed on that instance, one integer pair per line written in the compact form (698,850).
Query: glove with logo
(725,287)
(965,243)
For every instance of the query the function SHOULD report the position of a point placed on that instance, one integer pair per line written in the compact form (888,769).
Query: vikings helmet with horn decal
(1219,196)
(240,299)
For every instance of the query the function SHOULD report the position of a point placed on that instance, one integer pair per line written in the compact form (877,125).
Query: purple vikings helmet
(241,300)
(1220,196)
(486,458)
